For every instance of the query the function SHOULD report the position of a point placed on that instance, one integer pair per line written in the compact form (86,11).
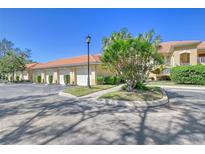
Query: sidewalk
(181,87)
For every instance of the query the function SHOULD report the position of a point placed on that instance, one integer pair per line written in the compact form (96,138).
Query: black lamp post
(88,39)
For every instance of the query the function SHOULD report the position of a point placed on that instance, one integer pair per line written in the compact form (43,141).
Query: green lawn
(169,83)
(84,90)
(153,93)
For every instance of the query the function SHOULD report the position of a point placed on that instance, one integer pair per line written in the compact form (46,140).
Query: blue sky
(59,33)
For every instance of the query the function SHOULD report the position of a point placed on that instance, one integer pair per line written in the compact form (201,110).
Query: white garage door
(82,77)
(62,73)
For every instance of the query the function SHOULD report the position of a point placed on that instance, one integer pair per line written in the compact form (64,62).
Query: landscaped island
(84,90)
(149,94)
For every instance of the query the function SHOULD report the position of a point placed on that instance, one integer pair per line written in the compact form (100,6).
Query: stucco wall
(35,74)
(95,70)
(73,76)
(188,49)
(43,76)
(101,71)
(55,77)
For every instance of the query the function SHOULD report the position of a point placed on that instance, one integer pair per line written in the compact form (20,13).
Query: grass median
(84,90)
(150,94)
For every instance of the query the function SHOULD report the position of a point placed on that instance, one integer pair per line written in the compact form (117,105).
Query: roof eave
(67,65)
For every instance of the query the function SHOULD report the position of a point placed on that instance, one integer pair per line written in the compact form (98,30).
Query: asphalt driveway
(35,114)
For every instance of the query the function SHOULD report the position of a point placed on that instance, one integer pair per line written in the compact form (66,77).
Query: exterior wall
(43,76)
(48,73)
(23,75)
(81,74)
(63,71)
(201,54)
(56,72)
(35,74)
(175,58)
(55,77)
(73,76)
(189,49)
(93,75)
(101,71)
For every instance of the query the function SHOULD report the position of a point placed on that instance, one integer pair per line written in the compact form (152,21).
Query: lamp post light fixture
(88,39)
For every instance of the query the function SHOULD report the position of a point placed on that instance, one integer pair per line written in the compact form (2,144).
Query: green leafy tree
(12,59)
(12,62)
(131,58)
(5,46)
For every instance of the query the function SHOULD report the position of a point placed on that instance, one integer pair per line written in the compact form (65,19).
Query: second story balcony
(201,60)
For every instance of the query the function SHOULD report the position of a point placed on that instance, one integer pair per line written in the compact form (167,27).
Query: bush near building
(17,78)
(50,79)
(111,80)
(39,79)
(66,79)
(193,74)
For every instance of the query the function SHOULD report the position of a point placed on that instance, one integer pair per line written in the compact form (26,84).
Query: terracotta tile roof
(201,45)
(31,65)
(166,46)
(69,61)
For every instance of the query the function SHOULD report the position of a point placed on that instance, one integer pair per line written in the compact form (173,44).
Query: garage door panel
(82,77)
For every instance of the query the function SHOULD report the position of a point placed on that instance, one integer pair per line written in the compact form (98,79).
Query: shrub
(50,79)
(39,79)
(17,78)
(100,80)
(109,80)
(113,80)
(66,79)
(194,74)
(140,85)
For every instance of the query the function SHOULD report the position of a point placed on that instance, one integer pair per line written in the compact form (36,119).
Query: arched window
(184,58)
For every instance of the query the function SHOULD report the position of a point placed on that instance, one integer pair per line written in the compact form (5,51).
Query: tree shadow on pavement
(86,122)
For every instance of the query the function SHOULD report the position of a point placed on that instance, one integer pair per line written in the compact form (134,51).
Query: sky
(58,33)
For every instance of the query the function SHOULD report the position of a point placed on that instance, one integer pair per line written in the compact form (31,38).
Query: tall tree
(5,46)
(11,58)
(132,58)
(12,62)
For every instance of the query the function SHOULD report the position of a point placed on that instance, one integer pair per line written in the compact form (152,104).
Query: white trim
(185,51)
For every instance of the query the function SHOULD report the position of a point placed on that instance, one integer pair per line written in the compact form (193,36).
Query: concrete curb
(92,95)
(164,100)
(61,93)
(180,87)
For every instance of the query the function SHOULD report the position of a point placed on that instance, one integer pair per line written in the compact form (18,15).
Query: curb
(61,93)
(181,87)
(164,100)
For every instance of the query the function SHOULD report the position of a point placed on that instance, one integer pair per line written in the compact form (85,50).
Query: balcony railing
(201,60)
(166,71)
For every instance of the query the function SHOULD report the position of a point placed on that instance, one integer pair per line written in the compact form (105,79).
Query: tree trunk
(131,86)
(13,76)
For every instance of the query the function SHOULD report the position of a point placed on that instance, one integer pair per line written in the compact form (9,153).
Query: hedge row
(113,80)
(192,74)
